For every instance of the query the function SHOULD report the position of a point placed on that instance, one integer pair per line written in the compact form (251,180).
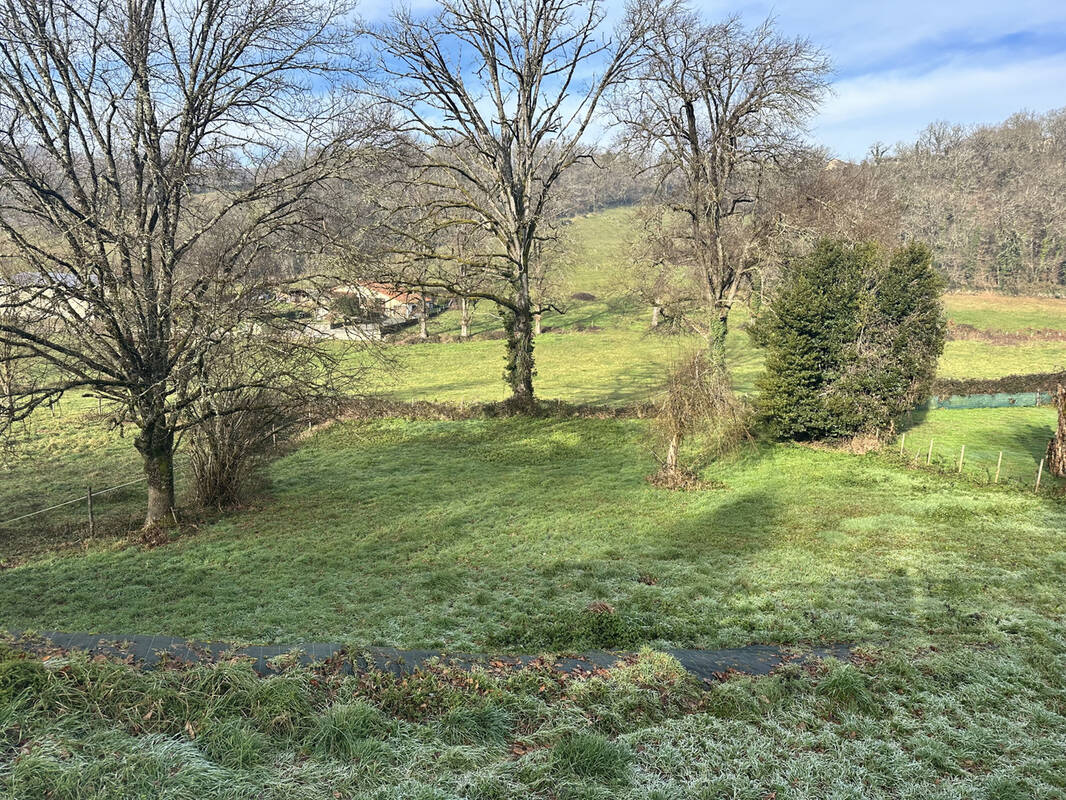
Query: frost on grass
(918,724)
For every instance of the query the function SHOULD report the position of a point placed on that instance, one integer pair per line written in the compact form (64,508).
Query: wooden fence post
(962,455)
(998,465)
(92,521)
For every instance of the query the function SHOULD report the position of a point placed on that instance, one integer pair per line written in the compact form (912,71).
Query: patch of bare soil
(856,445)
(681,480)
(961,332)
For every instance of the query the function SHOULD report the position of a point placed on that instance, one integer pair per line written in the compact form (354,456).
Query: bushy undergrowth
(1045,382)
(961,723)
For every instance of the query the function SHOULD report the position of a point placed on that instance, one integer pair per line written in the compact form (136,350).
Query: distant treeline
(989,200)
(608,180)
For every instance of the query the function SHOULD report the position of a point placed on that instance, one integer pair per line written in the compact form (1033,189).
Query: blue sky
(901,65)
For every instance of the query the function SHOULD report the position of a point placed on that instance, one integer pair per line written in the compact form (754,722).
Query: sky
(899,66)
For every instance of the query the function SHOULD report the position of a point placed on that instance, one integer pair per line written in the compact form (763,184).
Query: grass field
(1020,434)
(1006,313)
(968,359)
(929,725)
(599,351)
(568,367)
(618,361)
(497,535)
(397,516)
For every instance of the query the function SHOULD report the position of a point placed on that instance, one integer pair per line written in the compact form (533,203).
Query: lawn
(367,523)
(498,534)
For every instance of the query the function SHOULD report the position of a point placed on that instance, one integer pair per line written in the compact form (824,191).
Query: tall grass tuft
(342,729)
(592,757)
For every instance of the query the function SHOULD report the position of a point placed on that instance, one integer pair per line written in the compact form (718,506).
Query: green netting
(999,400)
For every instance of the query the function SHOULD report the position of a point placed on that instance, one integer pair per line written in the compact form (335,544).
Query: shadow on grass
(600,312)
(1032,439)
(506,534)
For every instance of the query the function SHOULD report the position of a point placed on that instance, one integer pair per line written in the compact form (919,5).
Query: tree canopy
(852,340)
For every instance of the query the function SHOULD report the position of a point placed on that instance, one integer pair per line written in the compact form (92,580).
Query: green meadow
(506,536)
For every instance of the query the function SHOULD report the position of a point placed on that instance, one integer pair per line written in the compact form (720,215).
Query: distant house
(56,293)
(36,280)
(384,300)
(294,297)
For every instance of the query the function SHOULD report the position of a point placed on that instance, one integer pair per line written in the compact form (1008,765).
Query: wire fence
(976,461)
(88,498)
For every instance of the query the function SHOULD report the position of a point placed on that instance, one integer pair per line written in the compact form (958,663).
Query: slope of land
(527,535)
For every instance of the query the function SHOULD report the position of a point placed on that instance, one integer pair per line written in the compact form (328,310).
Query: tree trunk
(7,386)
(1056,449)
(464,318)
(656,311)
(156,447)
(672,452)
(536,324)
(520,357)
(423,331)
(719,328)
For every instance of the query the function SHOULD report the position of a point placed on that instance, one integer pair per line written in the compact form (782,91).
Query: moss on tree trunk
(1056,449)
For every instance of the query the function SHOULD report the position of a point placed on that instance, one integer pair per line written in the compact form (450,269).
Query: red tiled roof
(392,292)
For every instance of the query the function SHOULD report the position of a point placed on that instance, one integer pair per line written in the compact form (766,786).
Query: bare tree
(837,200)
(660,278)
(458,241)
(264,390)
(1056,448)
(609,178)
(497,95)
(716,107)
(698,400)
(990,200)
(21,375)
(153,154)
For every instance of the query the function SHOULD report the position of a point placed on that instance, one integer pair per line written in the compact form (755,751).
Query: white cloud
(905,64)
(892,106)
(857,33)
